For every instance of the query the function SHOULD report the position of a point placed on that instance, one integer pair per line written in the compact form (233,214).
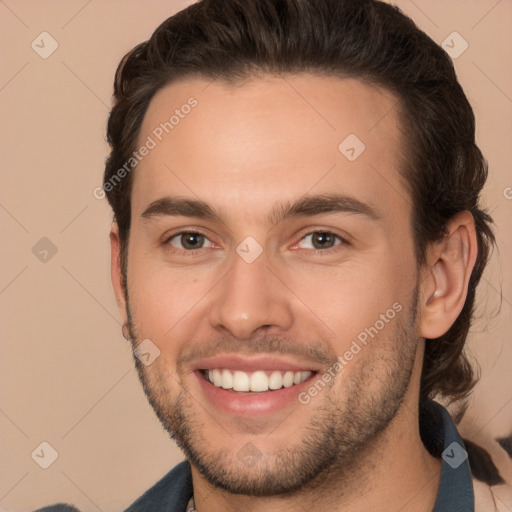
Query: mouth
(252,394)
(250,386)
(259,381)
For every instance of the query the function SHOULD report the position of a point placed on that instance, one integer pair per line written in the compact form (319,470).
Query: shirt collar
(455,492)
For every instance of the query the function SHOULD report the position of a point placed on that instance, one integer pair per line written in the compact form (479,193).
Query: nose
(250,297)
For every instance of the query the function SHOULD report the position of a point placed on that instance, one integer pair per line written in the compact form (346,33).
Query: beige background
(67,377)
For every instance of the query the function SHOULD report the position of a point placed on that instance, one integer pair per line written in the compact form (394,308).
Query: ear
(116,273)
(445,284)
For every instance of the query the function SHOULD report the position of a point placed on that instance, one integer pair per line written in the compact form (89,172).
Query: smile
(257,381)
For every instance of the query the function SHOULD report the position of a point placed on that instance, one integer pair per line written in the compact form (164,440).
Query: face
(274,256)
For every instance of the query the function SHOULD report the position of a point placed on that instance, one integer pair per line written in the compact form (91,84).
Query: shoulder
(60,507)
(491,468)
(171,493)
(489,451)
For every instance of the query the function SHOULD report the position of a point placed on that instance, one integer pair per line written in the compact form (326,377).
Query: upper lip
(251,364)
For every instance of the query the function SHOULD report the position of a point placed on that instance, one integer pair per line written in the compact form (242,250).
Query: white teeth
(217,378)
(227,379)
(275,381)
(304,375)
(258,381)
(288,379)
(240,381)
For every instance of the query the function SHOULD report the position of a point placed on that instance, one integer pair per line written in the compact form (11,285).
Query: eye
(189,241)
(321,240)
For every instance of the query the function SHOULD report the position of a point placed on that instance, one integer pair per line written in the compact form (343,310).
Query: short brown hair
(365,39)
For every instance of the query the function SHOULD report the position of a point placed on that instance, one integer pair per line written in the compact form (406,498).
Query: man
(295,251)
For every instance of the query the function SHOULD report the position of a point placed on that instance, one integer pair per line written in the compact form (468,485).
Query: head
(264,94)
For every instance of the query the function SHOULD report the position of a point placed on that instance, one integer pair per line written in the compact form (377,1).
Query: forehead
(269,140)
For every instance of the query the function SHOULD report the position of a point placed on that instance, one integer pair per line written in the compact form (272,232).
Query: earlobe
(445,287)
(116,272)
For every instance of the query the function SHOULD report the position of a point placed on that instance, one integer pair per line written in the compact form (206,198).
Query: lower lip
(250,403)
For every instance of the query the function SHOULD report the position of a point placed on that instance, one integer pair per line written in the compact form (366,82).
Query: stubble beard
(345,426)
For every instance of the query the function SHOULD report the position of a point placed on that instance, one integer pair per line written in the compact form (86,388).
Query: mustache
(316,351)
(271,344)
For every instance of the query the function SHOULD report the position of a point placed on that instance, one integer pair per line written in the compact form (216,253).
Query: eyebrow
(303,207)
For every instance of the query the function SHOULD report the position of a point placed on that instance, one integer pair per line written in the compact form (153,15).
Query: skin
(244,149)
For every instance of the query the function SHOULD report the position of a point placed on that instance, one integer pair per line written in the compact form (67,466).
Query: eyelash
(192,252)
(336,247)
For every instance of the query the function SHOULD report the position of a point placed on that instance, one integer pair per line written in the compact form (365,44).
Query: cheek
(165,302)
(351,297)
